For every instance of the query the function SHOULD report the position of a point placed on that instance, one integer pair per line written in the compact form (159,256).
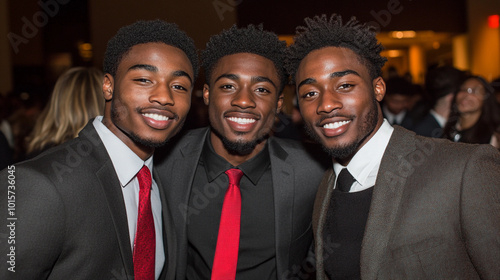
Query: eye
(226,87)
(309,94)
(262,90)
(179,87)
(142,81)
(346,86)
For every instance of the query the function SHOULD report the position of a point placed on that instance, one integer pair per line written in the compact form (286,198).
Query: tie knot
(345,180)
(234,176)
(144,177)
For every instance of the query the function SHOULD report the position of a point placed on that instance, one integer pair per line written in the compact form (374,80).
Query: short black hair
(251,39)
(142,32)
(321,32)
(442,80)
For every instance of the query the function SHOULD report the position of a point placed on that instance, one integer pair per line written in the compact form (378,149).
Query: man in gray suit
(74,212)
(244,82)
(394,205)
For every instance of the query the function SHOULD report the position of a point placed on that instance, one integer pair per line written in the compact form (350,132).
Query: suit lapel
(385,203)
(321,204)
(110,186)
(283,190)
(181,168)
(169,237)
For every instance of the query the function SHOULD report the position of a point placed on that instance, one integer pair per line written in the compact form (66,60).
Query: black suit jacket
(429,127)
(71,219)
(295,174)
(434,213)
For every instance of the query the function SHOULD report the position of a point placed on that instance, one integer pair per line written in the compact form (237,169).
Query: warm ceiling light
(494,21)
(403,34)
(393,53)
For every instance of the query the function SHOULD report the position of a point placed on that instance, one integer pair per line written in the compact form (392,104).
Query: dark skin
(148,99)
(336,98)
(243,101)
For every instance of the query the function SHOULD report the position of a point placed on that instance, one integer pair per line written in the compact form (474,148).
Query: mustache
(246,112)
(334,115)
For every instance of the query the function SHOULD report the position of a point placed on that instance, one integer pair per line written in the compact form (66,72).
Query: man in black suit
(397,101)
(243,91)
(75,208)
(394,205)
(440,83)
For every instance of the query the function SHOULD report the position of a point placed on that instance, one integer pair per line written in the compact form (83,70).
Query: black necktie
(345,180)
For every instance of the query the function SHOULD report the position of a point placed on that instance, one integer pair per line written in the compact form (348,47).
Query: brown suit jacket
(435,212)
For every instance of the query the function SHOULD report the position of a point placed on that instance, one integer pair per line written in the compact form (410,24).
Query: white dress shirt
(393,118)
(127,164)
(440,119)
(365,164)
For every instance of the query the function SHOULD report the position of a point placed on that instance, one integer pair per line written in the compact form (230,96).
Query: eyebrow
(154,69)
(256,79)
(228,76)
(259,79)
(309,81)
(180,73)
(344,73)
(146,67)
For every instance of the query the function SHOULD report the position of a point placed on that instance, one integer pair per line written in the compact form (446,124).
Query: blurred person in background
(496,86)
(24,105)
(397,102)
(440,83)
(475,114)
(76,98)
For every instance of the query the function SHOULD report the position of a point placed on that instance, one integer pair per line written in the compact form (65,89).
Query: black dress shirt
(257,251)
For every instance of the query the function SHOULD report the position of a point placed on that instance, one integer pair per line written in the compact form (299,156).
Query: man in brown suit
(394,205)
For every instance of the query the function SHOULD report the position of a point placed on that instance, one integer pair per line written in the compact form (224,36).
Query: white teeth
(241,120)
(155,117)
(335,124)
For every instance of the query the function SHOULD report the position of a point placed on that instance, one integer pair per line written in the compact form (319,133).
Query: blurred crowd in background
(451,104)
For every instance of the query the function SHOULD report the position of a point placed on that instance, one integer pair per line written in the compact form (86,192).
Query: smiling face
(242,101)
(470,97)
(148,99)
(338,100)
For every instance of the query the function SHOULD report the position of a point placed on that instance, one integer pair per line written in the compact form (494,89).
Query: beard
(239,147)
(146,142)
(345,151)
(150,143)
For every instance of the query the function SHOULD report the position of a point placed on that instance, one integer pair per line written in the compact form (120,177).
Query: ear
(280,103)
(379,88)
(108,87)
(206,93)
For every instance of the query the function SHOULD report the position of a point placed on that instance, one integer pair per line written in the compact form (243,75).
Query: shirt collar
(369,156)
(440,119)
(393,118)
(126,163)
(214,164)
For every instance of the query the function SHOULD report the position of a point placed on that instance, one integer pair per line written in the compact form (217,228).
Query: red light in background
(494,21)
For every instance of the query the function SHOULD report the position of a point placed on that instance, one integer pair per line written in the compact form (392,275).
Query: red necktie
(144,244)
(228,240)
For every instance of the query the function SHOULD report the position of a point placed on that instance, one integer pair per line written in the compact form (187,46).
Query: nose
(162,95)
(328,102)
(244,98)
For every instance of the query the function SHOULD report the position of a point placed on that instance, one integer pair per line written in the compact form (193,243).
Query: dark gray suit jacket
(71,219)
(296,176)
(435,212)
